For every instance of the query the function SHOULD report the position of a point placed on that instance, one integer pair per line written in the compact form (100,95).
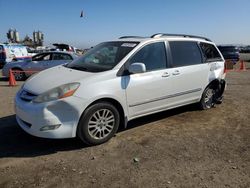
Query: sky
(223,21)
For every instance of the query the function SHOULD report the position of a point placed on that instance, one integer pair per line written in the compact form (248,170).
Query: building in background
(38,38)
(13,36)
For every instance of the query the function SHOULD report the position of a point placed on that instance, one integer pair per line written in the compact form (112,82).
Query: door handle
(176,72)
(165,74)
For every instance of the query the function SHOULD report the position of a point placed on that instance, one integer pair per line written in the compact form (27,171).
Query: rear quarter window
(210,52)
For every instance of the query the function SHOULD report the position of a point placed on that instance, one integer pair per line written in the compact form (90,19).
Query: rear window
(185,53)
(210,52)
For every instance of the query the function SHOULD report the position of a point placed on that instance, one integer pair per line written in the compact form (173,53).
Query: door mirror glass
(137,68)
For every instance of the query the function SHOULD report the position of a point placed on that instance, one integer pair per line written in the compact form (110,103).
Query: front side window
(103,57)
(185,53)
(41,57)
(153,56)
(210,52)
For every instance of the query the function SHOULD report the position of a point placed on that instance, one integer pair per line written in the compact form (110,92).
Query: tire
(19,76)
(219,92)
(98,123)
(219,100)
(208,99)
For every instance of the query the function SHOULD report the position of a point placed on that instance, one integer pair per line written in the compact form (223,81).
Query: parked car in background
(230,53)
(31,51)
(65,47)
(118,81)
(245,50)
(38,62)
(10,52)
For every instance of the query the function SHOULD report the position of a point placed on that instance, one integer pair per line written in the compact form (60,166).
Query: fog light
(50,127)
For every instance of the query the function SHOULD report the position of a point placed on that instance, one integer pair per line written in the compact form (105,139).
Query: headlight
(60,92)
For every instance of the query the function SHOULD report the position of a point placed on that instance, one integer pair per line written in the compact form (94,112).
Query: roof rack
(126,37)
(157,35)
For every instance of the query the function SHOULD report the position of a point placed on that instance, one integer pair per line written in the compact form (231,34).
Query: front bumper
(65,112)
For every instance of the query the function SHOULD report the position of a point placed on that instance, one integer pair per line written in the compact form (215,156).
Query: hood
(15,63)
(53,77)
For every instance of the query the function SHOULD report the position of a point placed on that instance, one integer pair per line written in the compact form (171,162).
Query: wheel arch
(214,83)
(16,68)
(219,86)
(117,104)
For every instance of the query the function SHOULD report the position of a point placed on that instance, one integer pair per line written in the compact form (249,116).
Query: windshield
(103,57)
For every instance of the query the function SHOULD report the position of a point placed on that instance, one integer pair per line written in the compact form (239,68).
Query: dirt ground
(184,148)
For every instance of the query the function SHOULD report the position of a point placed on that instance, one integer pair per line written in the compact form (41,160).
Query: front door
(39,62)
(59,59)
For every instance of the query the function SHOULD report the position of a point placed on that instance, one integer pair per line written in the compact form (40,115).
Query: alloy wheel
(101,123)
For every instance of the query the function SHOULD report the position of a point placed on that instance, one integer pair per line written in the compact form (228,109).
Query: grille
(27,96)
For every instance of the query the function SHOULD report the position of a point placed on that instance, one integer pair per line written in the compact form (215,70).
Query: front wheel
(98,124)
(208,98)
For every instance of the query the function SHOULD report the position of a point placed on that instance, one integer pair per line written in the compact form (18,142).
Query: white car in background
(118,81)
(37,63)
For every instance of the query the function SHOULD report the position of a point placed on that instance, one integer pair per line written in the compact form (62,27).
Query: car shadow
(14,142)
(160,115)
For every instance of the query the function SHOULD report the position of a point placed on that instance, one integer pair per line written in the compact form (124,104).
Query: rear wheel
(208,98)
(19,76)
(98,124)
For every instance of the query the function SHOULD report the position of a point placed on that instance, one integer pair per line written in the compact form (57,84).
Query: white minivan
(118,81)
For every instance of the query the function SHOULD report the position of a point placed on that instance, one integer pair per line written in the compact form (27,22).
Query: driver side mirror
(136,68)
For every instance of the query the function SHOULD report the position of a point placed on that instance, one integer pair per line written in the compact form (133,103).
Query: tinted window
(210,52)
(59,56)
(152,55)
(185,53)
